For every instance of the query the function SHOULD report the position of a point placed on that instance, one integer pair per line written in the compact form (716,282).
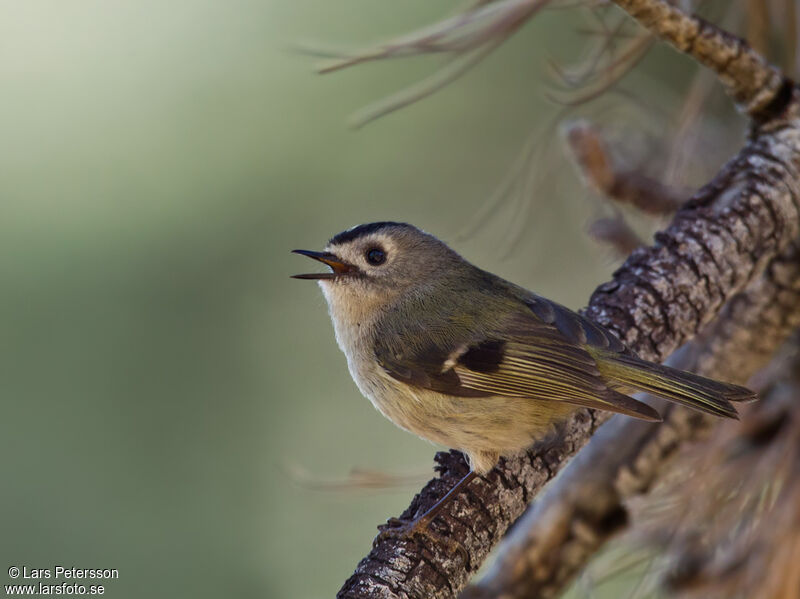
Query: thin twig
(752,82)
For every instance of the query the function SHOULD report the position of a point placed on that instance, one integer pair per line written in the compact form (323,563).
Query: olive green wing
(535,353)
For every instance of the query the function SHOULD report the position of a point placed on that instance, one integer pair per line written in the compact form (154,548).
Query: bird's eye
(376,256)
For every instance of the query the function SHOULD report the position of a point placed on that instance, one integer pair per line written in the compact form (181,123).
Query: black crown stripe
(362,230)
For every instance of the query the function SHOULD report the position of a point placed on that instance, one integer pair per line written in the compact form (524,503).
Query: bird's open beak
(337,266)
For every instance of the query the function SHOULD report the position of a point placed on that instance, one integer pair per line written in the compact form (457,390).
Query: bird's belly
(473,424)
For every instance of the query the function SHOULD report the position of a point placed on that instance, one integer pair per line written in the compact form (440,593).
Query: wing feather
(522,356)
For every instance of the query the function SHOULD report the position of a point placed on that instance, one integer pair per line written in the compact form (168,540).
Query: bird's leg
(397,528)
(425,519)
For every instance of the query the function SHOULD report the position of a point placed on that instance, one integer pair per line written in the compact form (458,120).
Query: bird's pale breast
(482,427)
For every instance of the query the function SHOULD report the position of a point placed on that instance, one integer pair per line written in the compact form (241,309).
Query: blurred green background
(164,381)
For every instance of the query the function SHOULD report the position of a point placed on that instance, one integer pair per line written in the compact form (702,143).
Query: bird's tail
(685,388)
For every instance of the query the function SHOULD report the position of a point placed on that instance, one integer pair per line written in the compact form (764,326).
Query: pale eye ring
(375,256)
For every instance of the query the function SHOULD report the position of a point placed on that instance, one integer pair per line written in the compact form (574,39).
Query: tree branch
(624,186)
(755,85)
(586,506)
(718,243)
(732,543)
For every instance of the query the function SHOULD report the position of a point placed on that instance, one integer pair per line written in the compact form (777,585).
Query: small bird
(463,358)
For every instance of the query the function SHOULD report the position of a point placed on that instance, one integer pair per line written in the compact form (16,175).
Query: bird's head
(372,265)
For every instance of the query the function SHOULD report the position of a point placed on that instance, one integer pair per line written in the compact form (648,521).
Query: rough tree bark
(586,505)
(717,246)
